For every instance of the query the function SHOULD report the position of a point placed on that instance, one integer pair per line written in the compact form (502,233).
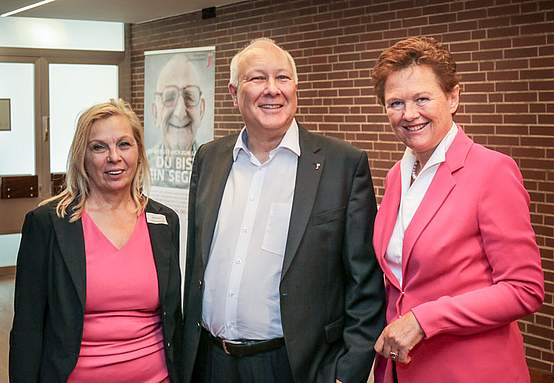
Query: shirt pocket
(277,228)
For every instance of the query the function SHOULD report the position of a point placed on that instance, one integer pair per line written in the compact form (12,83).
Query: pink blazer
(471,268)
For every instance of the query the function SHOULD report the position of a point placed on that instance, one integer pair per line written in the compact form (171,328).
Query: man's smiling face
(266,94)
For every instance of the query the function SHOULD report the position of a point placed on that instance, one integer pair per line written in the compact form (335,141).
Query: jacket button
(200,282)
(168,344)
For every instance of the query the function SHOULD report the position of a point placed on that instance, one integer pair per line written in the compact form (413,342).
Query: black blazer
(331,290)
(50,288)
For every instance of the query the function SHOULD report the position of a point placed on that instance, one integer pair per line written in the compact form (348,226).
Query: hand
(400,337)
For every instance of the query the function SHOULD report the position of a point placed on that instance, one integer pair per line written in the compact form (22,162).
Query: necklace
(414,170)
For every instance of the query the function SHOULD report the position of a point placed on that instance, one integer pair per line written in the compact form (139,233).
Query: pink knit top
(122,335)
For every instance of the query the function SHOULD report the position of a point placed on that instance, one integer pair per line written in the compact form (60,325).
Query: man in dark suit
(281,280)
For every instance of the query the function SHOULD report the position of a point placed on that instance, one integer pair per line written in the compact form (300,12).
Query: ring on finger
(393,355)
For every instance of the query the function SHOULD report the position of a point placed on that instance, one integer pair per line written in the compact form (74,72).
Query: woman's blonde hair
(77,183)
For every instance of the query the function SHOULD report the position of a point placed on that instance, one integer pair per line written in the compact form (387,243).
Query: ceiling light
(26,8)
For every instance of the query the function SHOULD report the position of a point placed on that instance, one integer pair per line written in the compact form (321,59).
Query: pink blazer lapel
(441,186)
(386,219)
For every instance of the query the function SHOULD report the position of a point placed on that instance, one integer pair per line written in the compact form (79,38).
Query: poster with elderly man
(178,117)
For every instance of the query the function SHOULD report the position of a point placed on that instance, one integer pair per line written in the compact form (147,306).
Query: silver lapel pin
(317,165)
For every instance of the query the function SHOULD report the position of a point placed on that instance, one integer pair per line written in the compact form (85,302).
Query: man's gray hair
(234,78)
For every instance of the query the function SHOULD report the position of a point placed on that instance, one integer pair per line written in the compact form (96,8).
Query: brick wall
(505,54)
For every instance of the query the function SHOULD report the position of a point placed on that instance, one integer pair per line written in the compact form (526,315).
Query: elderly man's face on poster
(179,104)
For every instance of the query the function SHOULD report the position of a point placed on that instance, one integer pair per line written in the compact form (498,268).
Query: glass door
(45,96)
(72,89)
(18,144)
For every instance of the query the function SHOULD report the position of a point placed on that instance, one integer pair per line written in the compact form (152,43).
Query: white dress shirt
(412,196)
(241,292)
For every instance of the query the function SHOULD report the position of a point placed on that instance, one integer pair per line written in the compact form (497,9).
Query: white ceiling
(128,11)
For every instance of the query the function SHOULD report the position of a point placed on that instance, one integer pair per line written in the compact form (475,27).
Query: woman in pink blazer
(453,235)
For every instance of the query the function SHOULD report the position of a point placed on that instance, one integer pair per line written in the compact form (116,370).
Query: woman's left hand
(399,338)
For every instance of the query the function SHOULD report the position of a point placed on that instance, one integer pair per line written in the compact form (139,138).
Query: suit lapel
(216,174)
(390,205)
(72,247)
(160,239)
(438,191)
(308,174)
(440,188)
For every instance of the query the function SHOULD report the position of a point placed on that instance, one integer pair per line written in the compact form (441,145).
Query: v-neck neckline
(106,238)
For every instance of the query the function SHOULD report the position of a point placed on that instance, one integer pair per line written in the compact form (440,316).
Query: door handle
(45,128)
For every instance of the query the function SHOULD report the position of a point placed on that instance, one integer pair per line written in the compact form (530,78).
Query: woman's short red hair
(415,51)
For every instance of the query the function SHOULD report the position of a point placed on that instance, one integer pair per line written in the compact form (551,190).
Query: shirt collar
(290,141)
(438,156)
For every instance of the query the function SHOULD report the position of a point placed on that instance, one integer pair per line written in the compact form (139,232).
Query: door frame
(13,210)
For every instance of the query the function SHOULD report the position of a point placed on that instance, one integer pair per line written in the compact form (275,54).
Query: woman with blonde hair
(97,296)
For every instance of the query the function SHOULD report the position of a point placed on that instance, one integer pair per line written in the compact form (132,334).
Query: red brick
(545,119)
(461,57)
(533,352)
(502,32)
(539,28)
(538,108)
(475,97)
(478,35)
(479,108)
(487,119)
(512,86)
(503,10)
(537,364)
(503,76)
(495,44)
(546,62)
(469,15)
(473,77)
(487,55)
(493,22)
(528,41)
(414,22)
(463,47)
(477,87)
(522,96)
(538,74)
(546,96)
(546,4)
(520,118)
(446,18)
(434,9)
(512,64)
(529,18)
(521,52)
(431,30)
(512,108)
(479,4)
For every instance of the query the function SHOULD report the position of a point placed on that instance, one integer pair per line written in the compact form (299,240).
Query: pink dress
(122,334)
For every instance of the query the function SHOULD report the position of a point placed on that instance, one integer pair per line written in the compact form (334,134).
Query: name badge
(157,219)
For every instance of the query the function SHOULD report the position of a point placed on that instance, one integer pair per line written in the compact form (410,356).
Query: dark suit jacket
(332,299)
(50,294)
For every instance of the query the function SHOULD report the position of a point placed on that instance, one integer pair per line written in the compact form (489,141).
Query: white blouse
(412,196)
